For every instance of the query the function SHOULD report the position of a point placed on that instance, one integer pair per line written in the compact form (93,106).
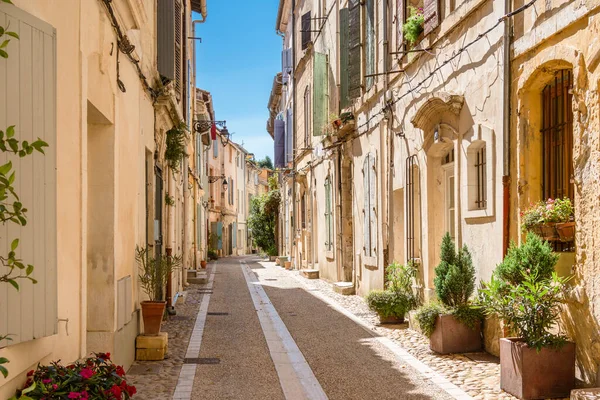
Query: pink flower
(86,373)
(46,381)
(55,386)
(74,395)
(549,207)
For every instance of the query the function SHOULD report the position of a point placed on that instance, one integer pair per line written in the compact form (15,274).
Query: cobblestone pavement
(478,374)
(156,380)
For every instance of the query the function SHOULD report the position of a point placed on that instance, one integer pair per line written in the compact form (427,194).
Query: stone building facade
(393,144)
(105,92)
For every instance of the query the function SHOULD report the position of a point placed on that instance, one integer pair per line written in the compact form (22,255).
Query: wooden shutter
(319,93)
(279,143)
(344,73)
(178,49)
(234,234)
(399,24)
(354,59)
(372,205)
(165,41)
(431,12)
(367,208)
(219,235)
(28,99)
(289,132)
(370,45)
(305,28)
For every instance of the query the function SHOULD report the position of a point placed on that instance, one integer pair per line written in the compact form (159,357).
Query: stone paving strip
(475,375)
(183,390)
(295,375)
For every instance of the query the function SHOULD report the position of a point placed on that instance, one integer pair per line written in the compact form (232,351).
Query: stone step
(344,288)
(310,273)
(199,277)
(585,394)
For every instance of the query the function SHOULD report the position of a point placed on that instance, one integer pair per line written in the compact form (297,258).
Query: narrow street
(264,336)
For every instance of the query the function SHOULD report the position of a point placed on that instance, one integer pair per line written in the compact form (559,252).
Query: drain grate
(217,313)
(201,360)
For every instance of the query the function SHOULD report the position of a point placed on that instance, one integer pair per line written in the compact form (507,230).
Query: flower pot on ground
(153,276)
(287,264)
(527,294)
(393,303)
(528,373)
(203,264)
(453,324)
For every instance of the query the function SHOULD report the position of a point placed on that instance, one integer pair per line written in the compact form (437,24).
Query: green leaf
(13,34)
(3,371)
(29,269)
(4,169)
(29,389)
(34,281)
(10,131)
(4,360)
(14,145)
(1,30)
(14,283)
(22,153)
(11,179)
(4,44)
(3,54)
(14,244)
(7,1)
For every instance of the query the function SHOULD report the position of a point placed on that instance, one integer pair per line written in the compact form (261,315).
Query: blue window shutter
(279,143)
(319,93)
(220,234)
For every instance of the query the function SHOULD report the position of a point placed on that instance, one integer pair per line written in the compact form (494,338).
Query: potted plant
(414,25)
(153,276)
(212,254)
(393,303)
(453,324)
(203,264)
(551,219)
(526,293)
(95,377)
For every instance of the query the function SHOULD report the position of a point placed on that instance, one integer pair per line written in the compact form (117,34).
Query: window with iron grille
(480,167)
(557,142)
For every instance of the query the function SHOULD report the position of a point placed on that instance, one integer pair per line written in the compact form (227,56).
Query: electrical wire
(440,66)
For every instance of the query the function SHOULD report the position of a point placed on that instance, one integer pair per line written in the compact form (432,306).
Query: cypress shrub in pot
(153,276)
(527,294)
(453,324)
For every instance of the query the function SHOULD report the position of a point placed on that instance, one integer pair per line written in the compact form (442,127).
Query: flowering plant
(413,26)
(95,377)
(551,210)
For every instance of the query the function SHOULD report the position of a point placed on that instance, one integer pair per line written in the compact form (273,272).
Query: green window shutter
(319,93)
(354,60)
(219,235)
(370,48)
(344,73)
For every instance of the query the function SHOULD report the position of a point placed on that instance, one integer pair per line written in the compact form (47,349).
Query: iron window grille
(480,166)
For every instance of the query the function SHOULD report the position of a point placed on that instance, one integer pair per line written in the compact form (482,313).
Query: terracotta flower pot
(287,264)
(452,336)
(152,313)
(391,320)
(548,231)
(529,374)
(203,264)
(566,231)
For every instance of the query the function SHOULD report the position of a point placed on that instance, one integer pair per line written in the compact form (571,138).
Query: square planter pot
(529,374)
(451,336)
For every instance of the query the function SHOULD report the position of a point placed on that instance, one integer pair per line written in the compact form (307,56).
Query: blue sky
(239,55)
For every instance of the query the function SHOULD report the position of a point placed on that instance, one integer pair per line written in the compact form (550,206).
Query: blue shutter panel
(279,143)
(220,235)
(319,93)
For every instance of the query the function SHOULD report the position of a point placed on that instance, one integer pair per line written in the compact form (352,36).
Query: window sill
(478,214)
(330,254)
(370,262)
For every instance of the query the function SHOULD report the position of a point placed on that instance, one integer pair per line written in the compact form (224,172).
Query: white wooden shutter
(373,205)
(367,207)
(28,101)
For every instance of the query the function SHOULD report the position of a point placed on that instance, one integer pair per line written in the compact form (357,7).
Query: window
(369,211)
(303,210)
(557,137)
(307,112)
(477,175)
(480,164)
(328,215)
(370,47)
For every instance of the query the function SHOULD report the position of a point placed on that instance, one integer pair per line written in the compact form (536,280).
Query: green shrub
(466,314)
(534,256)
(387,303)
(530,308)
(413,26)
(400,280)
(212,254)
(455,275)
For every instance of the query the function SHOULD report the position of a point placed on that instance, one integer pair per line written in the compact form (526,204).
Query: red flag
(213,131)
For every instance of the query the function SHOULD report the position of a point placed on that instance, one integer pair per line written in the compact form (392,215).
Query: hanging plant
(414,25)
(169,200)
(175,145)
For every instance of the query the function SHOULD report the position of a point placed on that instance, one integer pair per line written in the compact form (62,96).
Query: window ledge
(477,214)
(370,262)
(330,254)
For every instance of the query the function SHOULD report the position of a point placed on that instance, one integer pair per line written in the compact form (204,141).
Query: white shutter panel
(28,101)
(373,204)
(367,207)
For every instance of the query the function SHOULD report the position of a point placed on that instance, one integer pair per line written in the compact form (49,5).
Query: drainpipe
(390,139)
(186,204)
(293,225)
(340,241)
(506,129)
(170,234)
